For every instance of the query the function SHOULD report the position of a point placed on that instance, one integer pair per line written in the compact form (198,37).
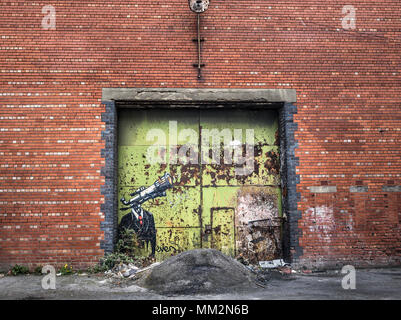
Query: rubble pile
(198,271)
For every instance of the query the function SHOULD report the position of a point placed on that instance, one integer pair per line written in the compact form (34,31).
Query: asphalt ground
(370,284)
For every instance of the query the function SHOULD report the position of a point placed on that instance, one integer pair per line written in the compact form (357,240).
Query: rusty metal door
(212,205)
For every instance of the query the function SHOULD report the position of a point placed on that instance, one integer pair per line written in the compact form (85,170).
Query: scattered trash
(251,268)
(285,270)
(1,275)
(127,270)
(149,267)
(272,264)
(263,276)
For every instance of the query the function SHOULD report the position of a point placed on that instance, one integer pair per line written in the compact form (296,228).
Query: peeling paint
(323,219)
(259,225)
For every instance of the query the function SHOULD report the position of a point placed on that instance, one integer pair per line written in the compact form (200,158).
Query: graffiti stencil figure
(140,220)
(199,6)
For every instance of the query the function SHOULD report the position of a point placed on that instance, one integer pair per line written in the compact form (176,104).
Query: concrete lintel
(322,189)
(199,95)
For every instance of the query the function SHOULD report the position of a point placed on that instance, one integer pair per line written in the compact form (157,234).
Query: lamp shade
(199,6)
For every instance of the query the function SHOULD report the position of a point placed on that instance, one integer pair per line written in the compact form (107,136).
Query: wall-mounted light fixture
(199,6)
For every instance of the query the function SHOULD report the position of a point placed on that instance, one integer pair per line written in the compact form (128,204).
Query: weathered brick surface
(348,122)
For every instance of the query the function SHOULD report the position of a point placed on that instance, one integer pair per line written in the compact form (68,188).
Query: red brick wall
(349,113)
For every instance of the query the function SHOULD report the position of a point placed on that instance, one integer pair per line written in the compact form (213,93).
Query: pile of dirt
(203,271)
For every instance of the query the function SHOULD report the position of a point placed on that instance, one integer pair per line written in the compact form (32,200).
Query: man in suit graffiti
(139,220)
(143,224)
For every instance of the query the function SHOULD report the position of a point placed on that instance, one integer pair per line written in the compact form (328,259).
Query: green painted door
(225,196)
(223,230)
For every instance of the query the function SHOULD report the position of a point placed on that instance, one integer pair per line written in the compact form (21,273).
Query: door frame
(282,100)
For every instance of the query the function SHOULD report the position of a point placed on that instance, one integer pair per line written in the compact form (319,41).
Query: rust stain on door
(223,230)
